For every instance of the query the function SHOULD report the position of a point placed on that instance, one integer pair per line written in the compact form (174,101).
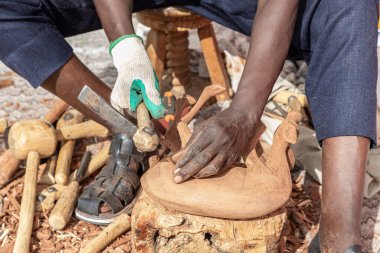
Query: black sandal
(115,189)
(315,247)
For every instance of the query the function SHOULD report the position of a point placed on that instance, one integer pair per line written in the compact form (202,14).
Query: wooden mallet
(33,139)
(9,163)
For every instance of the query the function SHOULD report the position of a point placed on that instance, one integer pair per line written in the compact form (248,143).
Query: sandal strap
(116,184)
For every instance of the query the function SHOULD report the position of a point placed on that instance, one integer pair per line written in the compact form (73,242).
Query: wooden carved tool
(207,93)
(171,138)
(240,193)
(119,226)
(49,196)
(145,139)
(64,208)
(30,141)
(9,163)
(70,117)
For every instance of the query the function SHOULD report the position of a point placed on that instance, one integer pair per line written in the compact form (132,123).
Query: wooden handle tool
(145,138)
(9,163)
(85,129)
(25,226)
(63,210)
(70,117)
(119,226)
(49,196)
(25,141)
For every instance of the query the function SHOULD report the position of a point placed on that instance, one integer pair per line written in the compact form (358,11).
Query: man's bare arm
(272,32)
(116,17)
(221,140)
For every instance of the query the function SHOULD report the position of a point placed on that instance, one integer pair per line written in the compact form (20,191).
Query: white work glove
(136,81)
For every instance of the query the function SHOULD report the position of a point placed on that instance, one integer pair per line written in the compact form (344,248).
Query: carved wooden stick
(145,138)
(70,117)
(119,226)
(207,93)
(9,163)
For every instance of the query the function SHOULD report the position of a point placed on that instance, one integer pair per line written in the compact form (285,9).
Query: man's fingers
(213,168)
(196,146)
(192,167)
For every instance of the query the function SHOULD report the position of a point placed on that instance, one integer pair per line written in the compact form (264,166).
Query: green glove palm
(136,81)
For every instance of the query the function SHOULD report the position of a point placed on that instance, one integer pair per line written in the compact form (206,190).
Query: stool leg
(214,60)
(178,57)
(156,49)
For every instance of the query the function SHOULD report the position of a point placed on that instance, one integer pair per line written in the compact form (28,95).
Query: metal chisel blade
(113,119)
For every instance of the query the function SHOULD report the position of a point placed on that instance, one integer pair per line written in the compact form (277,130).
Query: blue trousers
(336,38)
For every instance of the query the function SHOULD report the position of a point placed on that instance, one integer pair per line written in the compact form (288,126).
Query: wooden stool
(167,42)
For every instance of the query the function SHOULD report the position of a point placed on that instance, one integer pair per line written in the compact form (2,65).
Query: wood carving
(247,192)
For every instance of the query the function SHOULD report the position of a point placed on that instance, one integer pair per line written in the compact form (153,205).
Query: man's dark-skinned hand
(220,141)
(205,156)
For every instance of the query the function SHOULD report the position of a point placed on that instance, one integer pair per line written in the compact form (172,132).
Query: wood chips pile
(303,212)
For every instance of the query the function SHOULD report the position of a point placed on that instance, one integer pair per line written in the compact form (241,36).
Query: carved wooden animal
(244,192)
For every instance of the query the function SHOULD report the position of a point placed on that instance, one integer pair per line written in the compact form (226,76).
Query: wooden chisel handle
(64,207)
(56,111)
(70,117)
(82,130)
(25,226)
(145,138)
(119,226)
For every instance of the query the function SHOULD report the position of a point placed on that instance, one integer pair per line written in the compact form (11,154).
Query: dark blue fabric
(337,39)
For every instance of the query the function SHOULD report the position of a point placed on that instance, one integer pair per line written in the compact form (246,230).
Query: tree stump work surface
(158,229)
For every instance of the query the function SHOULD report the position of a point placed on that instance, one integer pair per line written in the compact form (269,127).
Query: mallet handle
(82,130)
(70,117)
(25,226)
(119,226)
(145,138)
(63,210)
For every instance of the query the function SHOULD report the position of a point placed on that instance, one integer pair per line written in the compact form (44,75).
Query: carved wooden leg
(214,60)
(156,49)
(159,230)
(178,57)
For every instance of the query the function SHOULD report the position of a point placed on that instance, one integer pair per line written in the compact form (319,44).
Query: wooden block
(157,229)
